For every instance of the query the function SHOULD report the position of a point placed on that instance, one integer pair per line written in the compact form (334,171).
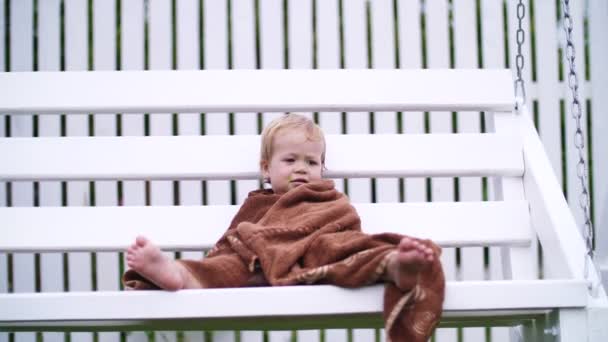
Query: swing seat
(526,205)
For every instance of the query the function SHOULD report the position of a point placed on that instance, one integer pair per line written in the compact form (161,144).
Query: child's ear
(264,169)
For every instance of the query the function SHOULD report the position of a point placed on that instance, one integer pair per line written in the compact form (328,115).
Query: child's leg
(407,261)
(148,260)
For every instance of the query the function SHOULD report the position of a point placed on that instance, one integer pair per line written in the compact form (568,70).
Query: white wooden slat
(300,56)
(106,194)
(76,59)
(216,57)
(21,59)
(354,21)
(410,57)
(548,84)
(244,57)
(548,210)
(4,337)
(300,34)
(188,49)
(465,42)
(518,262)
(271,37)
(160,58)
(3,257)
(328,57)
(271,41)
(328,54)
(471,224)
(243,42)
(442,189)
(383,57)
(493,52)
(310,90)
(159,55)
(380,13)
(598,24)
(165,157)
(51,264)
(132,58)
(321,301)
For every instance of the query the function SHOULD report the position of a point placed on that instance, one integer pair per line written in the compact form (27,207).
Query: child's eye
(289,160)
(313,162)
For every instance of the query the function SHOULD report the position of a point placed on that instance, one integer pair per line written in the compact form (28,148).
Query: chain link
(579,138)
(520,89)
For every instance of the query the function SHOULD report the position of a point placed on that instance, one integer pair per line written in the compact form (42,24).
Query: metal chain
(520,89)
(579,138)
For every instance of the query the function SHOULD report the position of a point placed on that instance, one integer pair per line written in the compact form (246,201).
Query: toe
(141,241)
(406,243)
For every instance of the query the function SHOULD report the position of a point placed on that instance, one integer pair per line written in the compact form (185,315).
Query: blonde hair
(285,122)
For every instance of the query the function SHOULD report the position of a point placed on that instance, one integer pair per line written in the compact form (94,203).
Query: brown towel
(310,235)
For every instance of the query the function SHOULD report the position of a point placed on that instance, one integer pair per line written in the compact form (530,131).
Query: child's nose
(301,167)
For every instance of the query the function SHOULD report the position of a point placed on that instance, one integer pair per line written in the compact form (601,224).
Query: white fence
(221,34)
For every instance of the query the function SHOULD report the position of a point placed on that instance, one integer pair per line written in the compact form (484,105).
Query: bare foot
(147,259)
(411,257)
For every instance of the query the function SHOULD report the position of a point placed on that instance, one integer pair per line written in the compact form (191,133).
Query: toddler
(304,231)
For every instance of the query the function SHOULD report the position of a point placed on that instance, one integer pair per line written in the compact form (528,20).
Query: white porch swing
(569,304)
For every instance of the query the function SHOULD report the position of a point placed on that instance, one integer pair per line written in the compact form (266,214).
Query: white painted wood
(21,59)
(3,257)
(243,51)
(216,57)
(188,49)
(327,90)
(159,56)
(328,57)
(243,14)
(463,298)
(465,41)
(272,50)
(470,224)
(106,192)
(596,316)
(300,56)
(410,39)
(383,57)
(300,34)
(548,91)
(548,209)
(442,189)
(76,59)
(518,263)
(132,58)
(573,325)
(493,55)
(598,23)
(351,155)
(51,264)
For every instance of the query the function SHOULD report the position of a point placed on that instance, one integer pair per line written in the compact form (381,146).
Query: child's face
(295,160)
